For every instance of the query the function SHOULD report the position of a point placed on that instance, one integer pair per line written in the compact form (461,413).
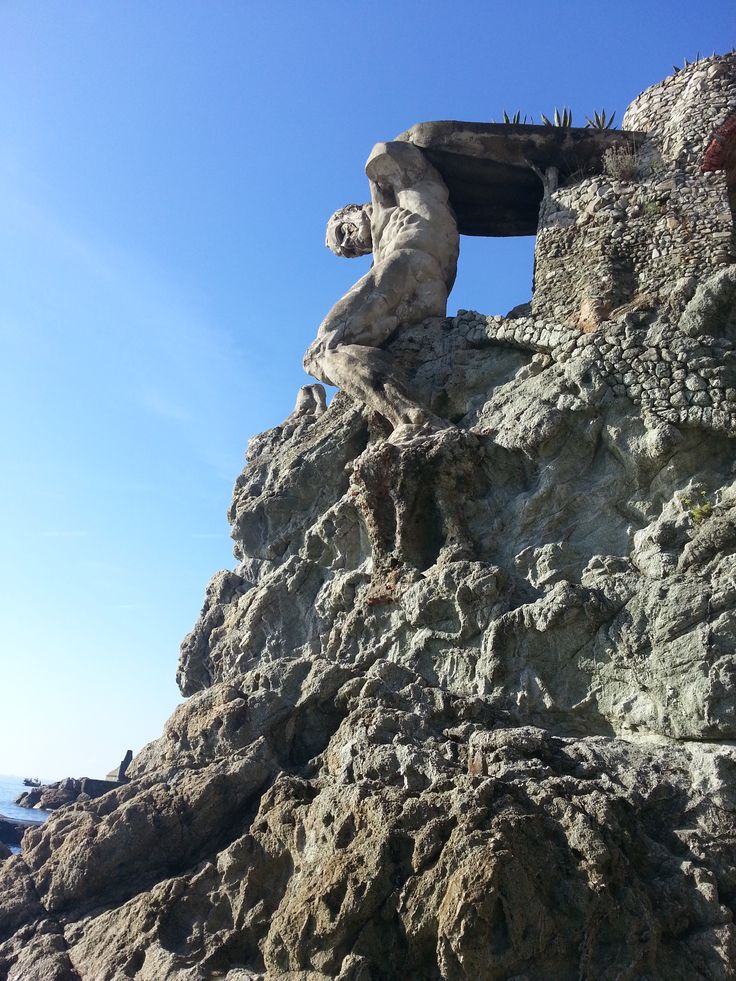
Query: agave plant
(516,118)
(563,119)
(686,63)
(600,120)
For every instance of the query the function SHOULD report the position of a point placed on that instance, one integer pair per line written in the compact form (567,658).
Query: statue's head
(349,231)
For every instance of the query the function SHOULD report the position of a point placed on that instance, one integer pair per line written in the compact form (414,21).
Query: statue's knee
(312,357)
(316,360)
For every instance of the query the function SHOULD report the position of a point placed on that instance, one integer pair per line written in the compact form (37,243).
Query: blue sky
(167,170)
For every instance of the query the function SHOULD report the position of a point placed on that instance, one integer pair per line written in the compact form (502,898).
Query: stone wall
(646,231)
(678,379)
(682,111)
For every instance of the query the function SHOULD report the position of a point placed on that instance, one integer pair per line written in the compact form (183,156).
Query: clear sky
(166,171)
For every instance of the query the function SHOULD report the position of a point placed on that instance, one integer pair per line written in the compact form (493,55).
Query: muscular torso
(399,230)
(420,220)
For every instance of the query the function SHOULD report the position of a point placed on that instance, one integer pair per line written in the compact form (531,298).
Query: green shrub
(698,504)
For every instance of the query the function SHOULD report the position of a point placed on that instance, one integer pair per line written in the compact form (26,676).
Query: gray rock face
(542,555)
(466,706)
(464,709)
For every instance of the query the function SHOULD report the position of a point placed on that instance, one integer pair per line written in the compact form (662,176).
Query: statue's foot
(411,433)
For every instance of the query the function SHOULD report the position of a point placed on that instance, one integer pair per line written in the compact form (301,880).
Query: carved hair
(348,231)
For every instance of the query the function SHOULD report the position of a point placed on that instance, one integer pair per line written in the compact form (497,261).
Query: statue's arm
(400,175)
(395,166)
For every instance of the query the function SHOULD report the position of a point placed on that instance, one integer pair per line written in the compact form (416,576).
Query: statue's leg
(370,374)
(346,352)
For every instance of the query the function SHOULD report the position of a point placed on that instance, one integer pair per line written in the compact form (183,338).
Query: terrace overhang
(493,170)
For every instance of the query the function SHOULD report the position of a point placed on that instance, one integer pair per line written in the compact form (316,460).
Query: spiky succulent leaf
(600,120)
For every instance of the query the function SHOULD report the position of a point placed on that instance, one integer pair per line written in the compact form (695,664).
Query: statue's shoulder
(389,160)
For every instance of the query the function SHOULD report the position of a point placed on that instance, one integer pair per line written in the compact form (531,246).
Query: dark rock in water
(29,798)
(12,829)
(50,797)
(5,852)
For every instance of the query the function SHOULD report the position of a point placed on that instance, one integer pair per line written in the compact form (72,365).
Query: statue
(411,230)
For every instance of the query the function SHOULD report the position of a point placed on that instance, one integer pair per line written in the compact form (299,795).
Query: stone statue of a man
(411,230)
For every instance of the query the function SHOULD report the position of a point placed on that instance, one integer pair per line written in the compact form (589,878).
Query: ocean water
(10,788)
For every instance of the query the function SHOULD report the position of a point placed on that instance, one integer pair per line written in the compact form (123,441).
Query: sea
(10,788)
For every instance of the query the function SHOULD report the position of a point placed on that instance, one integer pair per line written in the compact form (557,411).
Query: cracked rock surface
(464,709)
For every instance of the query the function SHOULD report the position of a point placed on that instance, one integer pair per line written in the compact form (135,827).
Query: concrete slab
(489,167)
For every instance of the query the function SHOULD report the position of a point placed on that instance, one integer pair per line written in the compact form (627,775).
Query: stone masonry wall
(682,111)
(609,242)
(673,378)
(646,234)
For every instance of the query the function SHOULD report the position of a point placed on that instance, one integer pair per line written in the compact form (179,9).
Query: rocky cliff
(465,709)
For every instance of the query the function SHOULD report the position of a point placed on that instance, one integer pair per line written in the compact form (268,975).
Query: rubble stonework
(465,707)
(681,113)
(671,376)
(608,241)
